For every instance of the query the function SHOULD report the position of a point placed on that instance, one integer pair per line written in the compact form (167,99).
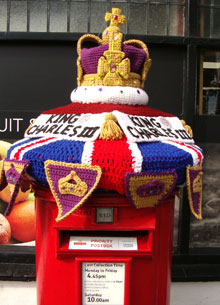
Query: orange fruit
(22,221)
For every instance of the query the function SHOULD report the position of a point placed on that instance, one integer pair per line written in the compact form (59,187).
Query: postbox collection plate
(103,243)
(103,283)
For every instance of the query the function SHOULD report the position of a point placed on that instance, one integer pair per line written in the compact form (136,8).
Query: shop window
(208,15)
(209,99)
(152,17)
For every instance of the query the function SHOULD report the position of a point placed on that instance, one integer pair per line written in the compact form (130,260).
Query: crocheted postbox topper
(107,138)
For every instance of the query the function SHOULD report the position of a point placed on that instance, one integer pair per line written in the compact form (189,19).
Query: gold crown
(72,184)
(112,68)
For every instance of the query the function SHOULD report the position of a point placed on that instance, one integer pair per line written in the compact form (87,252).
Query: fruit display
(4,146)
(5,230)
(5,195)
(22,221)
(19,226)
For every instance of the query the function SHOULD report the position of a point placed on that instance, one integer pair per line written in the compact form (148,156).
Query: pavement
(189,293)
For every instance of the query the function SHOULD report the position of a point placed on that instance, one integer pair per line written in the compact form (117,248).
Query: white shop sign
(103,283)
(102,243)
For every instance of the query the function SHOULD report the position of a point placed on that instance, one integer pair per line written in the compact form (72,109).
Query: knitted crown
(112,62)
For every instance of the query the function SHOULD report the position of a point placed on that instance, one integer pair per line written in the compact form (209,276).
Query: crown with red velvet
(112,62)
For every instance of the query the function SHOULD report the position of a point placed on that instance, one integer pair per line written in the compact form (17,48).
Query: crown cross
(115,17)
(113,69)
(112,34)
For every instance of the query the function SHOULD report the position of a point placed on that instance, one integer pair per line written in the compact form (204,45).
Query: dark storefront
(38,72)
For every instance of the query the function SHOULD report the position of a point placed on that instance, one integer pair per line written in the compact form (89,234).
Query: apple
(5,230)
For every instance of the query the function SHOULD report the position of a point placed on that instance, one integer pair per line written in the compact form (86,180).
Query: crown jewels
(112,62)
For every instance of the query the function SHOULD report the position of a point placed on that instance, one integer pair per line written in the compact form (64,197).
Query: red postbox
(106,252)
(109,166)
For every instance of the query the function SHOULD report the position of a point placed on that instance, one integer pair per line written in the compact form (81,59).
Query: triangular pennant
(14,172)
(194,188)
(3,181)
(148,189)
(71,184)
(25,185)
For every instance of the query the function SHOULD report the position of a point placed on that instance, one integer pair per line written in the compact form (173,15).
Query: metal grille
(158,17)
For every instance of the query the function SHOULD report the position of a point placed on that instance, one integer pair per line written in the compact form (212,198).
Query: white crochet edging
(109,95)
(137,157)
(87,153)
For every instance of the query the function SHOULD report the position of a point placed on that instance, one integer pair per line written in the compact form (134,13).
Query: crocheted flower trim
(109,95)
(148,189)
(71,184)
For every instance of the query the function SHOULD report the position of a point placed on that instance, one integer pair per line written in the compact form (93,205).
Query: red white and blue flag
(153,141)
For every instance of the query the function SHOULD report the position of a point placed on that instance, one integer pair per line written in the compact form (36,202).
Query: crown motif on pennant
(112,62)
(72,184)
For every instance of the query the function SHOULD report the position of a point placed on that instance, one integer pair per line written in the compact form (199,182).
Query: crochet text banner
(152,129)
(86,127)
(78,127)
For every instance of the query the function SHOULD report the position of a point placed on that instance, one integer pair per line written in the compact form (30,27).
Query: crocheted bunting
(25,185)
(148,189)
(194,188)
(3,181)
(71,184)
(14,173)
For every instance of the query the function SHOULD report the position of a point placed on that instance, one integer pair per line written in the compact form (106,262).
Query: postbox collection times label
(103,283)
(103,243)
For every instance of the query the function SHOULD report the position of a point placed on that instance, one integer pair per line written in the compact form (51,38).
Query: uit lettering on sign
(10,125)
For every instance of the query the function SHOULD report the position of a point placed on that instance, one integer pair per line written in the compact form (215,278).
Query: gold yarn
(187,128)
(134,80)
(73,185)
(110,130)
(31,124)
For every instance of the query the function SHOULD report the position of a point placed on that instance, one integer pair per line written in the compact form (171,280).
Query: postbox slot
(109,218)
(72,243)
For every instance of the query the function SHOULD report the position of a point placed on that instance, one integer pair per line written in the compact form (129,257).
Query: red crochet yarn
(99,108)
(115,160)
